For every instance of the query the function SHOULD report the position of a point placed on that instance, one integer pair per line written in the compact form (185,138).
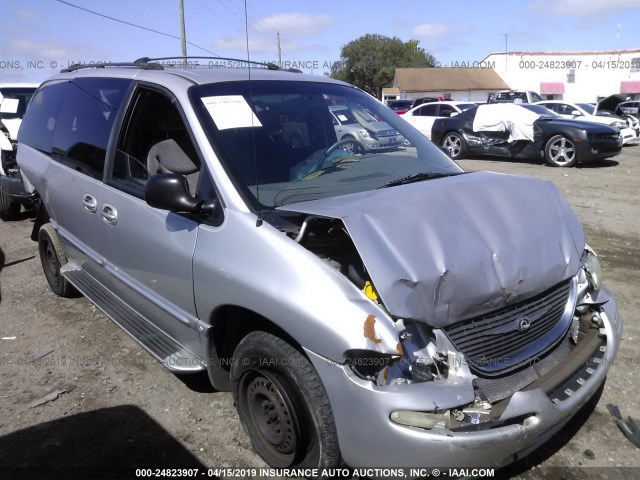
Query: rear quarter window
(39,120)
(71,121)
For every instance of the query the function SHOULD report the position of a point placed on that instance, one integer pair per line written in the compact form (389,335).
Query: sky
(41,36)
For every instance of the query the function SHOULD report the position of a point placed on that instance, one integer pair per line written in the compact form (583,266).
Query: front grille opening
(510,338)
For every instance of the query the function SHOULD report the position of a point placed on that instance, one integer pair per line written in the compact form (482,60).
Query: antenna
(279,52)
(253,130)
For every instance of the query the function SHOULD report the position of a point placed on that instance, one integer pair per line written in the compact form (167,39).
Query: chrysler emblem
(524,324)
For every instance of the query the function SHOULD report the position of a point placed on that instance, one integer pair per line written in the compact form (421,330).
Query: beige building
(571,76)
(466,84)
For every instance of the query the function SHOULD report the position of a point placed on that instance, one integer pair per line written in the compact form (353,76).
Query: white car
(14,98)
(584,112)
(423,116)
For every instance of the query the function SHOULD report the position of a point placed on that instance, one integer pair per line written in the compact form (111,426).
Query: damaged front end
(524,357)
(512,302)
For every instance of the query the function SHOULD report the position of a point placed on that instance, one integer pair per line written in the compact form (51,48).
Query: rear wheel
(560,152)
(9,208)
(53,258)
(283,405)
(456,145)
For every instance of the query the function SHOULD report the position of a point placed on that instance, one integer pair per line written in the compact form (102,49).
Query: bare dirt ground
(118,409)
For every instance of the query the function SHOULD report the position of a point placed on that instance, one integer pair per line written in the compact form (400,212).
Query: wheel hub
(272,415)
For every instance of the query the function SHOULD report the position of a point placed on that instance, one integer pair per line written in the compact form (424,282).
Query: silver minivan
(351,299)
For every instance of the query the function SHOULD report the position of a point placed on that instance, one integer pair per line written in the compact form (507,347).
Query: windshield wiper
(418,177)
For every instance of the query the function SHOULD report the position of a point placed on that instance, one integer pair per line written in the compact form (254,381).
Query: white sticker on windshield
(230,111)
(342,117)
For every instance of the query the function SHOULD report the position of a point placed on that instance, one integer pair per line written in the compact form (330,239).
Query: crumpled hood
(610,103)
(448,249)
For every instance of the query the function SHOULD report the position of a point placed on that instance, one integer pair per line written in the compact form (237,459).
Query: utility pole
(506,58)
(183,38)
(279,51)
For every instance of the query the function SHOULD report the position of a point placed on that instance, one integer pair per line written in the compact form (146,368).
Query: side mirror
(170,191)
(576,113)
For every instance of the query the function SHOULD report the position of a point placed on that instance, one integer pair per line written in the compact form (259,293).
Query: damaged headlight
(417,359)
(593,270)
(367,364)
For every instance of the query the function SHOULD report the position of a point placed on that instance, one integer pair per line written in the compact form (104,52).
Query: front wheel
(456,145)
(560,152)
(283,405)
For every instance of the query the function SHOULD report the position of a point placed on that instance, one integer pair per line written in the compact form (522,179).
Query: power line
(134,25)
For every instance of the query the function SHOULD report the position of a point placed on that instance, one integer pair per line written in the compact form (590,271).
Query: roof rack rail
(268,65)
(136,64)
(147,63)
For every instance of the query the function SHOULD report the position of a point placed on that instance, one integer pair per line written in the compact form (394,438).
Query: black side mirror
(170,191)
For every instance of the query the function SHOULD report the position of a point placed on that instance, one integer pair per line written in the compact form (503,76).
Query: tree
(370,62)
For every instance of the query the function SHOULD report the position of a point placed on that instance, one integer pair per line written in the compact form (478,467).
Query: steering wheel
(352,145)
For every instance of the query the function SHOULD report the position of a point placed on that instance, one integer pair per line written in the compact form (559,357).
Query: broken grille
(515,336)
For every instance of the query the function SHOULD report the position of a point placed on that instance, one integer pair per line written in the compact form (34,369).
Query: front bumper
(367,435)
(383,143)
(630,136)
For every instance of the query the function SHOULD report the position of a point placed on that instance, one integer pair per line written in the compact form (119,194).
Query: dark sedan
(525,131)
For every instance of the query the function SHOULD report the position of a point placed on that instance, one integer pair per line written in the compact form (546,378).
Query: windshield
(465,106)
(281,144)
(22,94)
(544,112)
(587,107)
(511,96)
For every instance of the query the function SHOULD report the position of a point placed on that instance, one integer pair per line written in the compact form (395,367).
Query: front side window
(282,142)
(155,140)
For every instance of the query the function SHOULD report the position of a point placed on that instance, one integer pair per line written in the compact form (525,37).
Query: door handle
(109,214)
(90,203)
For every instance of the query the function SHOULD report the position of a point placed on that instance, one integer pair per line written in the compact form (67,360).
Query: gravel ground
(117,409)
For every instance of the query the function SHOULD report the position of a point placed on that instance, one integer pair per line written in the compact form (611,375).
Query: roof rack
(268,65)
(147,63)
(136,64)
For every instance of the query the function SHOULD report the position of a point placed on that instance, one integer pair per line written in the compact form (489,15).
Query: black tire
(53,258)
(455,144)
(560,152)
(283,405)
(9,208)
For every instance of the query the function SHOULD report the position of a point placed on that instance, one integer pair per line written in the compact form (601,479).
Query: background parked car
(525,131)
(360,125)
(584,112)
(629,108)
(423,116)
(14,99)
(514,96)
(423,100)
(400,106)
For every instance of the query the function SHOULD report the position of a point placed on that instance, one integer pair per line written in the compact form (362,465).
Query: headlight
(594,271)
(364,134)
(619,124)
